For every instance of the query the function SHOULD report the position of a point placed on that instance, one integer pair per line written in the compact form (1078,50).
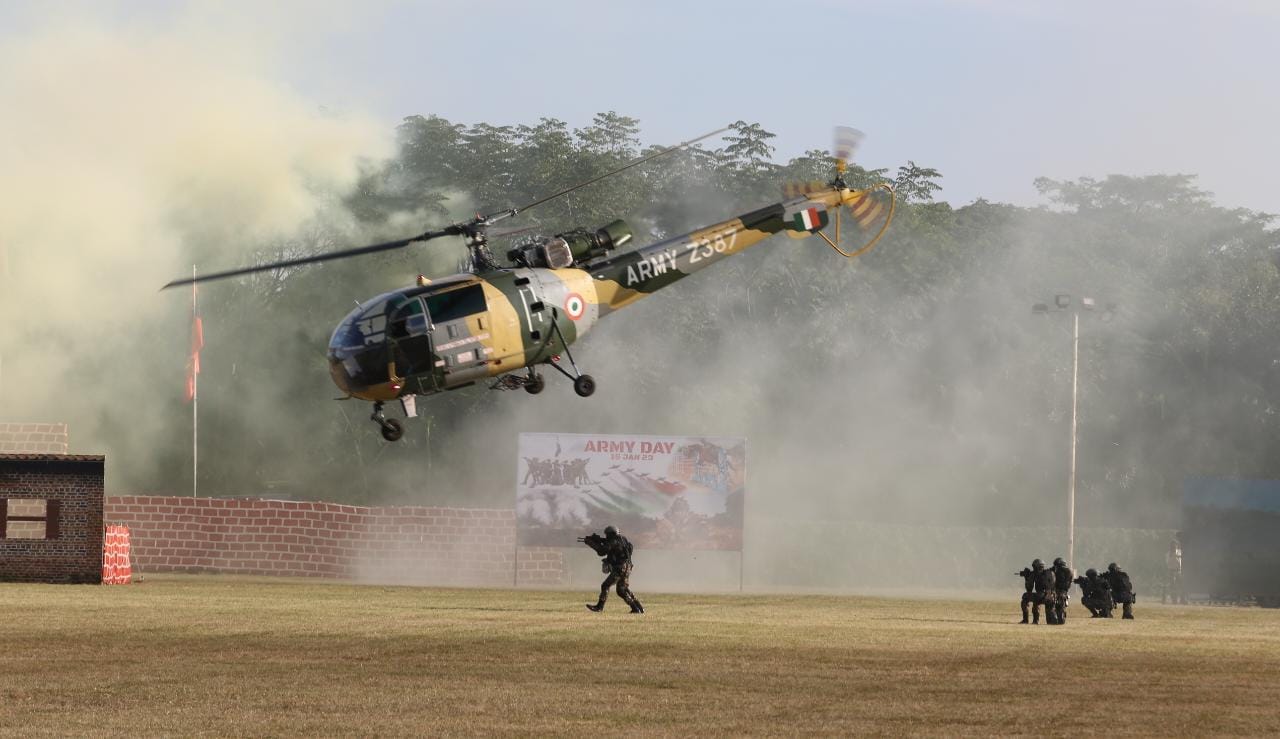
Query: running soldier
(616,551)
(1095,594)
(1121,588)
(1061,590)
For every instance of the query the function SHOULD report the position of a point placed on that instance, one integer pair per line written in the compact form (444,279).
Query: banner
(661,492)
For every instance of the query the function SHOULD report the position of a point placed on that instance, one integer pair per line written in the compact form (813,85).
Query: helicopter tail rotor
(871,209)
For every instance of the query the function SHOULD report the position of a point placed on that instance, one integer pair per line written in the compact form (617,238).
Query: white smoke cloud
(128,149)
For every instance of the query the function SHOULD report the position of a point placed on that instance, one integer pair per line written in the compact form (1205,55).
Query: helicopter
(506,320)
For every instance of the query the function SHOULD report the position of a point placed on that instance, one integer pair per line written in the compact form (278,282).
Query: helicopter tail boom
(626,278)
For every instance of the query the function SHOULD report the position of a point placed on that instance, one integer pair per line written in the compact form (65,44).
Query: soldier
(616,551)
(1061,589)
(1047,586)
(1039,589)
(1028,595)
(1173,565)
(1095,594)
(1121,588)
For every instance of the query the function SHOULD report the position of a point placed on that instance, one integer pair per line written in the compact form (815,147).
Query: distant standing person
(616,551)
(1173,564)
(1121,588)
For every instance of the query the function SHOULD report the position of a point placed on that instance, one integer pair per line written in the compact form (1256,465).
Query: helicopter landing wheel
(584,385)
(535,384)
(392,430)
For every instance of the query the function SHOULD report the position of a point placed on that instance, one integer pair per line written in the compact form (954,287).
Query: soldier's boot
(1128,611)
(1035,615)
(597,607)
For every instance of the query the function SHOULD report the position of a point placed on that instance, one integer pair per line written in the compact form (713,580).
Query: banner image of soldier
(665,492)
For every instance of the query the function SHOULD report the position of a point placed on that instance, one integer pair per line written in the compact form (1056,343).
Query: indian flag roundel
(574,306)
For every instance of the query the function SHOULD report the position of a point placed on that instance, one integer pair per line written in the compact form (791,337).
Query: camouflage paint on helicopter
(446,334)
(498,319)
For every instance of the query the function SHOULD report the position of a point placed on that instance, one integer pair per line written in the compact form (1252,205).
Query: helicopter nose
(340,376)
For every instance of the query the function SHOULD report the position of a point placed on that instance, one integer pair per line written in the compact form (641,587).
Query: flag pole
(195,405)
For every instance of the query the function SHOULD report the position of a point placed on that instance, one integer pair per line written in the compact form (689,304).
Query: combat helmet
(610,532)
(1059,562)
(1037,564)
(1112,567)
(1090,572)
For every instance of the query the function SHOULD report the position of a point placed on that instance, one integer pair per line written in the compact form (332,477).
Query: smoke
(129,152)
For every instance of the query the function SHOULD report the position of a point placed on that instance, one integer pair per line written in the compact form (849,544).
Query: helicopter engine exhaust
(577,247)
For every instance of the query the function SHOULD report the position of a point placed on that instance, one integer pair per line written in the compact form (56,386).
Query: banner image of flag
(810,219)
(197,343)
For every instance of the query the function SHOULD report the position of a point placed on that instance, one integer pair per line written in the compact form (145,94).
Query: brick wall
(402,544)
(34,438)
(72,485)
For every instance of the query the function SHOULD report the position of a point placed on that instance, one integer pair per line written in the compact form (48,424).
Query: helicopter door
(409,331)
(460,326)
(538,322)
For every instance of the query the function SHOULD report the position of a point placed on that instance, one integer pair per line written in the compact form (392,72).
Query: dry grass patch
(220,656)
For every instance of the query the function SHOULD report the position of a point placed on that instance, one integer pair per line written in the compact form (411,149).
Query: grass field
(227,656)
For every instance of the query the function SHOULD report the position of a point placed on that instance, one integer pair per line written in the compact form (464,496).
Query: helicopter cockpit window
(364,326)
(454,304)
(409,319)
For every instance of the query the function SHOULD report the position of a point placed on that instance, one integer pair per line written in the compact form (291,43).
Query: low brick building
(51,517)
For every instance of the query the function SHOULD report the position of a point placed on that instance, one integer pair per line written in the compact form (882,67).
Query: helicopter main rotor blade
(327,256)
(634,163)
(472,227)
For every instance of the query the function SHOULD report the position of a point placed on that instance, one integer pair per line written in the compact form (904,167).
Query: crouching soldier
(616,553)
(1095,594)
(1121,589)
(1039,589)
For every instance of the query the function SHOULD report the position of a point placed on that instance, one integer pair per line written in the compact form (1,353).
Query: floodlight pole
(1075,396)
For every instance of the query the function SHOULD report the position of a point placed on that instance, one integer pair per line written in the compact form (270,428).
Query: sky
(992,93)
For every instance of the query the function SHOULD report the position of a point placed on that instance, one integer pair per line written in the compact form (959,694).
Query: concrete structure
(51,517)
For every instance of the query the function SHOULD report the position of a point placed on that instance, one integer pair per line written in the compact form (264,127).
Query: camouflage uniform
(1046,586)
(1028,595)
(1061,590)
(1095,594)
(1039,590)
(616,551)
(1121,588)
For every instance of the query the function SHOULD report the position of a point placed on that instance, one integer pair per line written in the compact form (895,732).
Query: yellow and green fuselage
(455,331)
